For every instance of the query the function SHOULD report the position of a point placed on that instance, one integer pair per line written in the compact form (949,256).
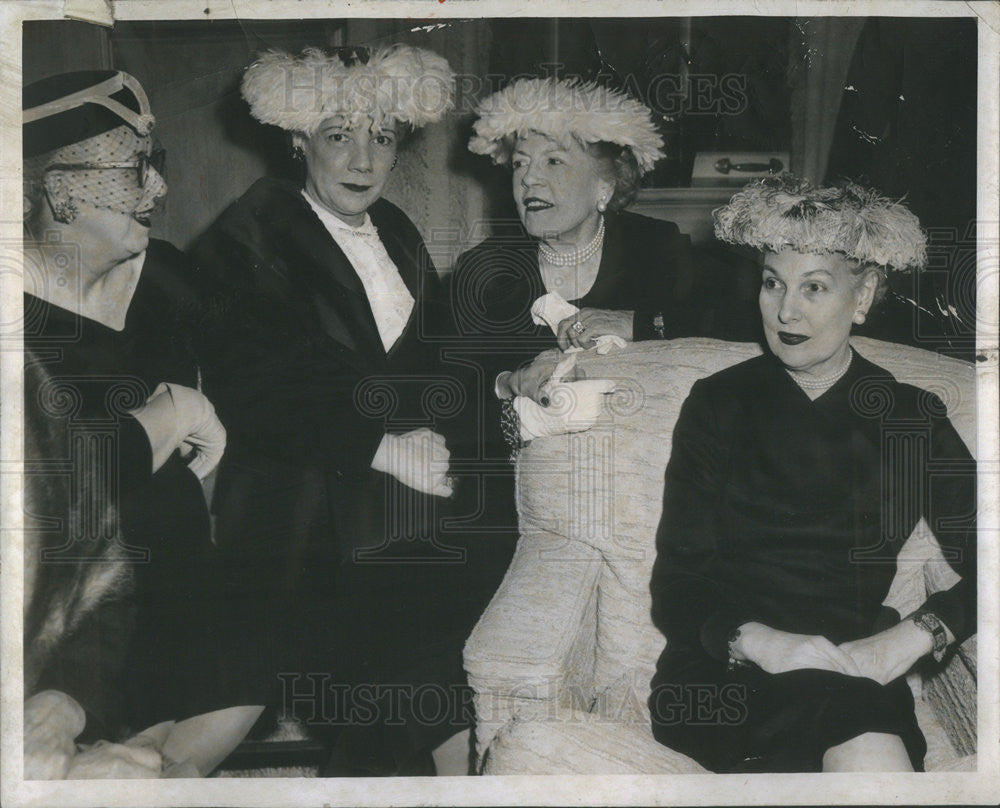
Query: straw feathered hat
(775,213)
(559,108)
(412,85)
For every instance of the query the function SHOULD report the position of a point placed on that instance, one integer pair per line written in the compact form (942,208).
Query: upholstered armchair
(562,659)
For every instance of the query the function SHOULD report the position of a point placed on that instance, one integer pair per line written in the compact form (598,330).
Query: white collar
(334,222)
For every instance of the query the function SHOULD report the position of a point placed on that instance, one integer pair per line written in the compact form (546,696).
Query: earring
(64,212)
(297,154)
(860,317)
(602,204)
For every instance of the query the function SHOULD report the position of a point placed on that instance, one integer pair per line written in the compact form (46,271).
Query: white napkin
(573,406)
(550,309)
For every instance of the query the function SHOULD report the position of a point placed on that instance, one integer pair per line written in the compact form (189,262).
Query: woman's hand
(116,761)
(596,323)
(891,653)
(533,380)
(418,459)
(178,417)
(777,651)
(52,720)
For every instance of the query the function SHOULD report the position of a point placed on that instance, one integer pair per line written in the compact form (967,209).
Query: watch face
(930,623)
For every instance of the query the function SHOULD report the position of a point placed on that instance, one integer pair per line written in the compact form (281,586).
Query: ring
(578,327)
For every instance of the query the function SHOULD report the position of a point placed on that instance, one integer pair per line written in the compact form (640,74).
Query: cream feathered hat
(778,212)
(558,108)
(411,85)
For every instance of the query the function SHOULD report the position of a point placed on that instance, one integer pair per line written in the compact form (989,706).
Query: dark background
(905,120)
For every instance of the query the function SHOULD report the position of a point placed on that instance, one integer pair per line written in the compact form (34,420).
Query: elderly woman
(327,502)
(110,384)
(577,153)
(575,268)
(787,501)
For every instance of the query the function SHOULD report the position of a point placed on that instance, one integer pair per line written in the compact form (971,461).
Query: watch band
(658,325)
(734,663)
(930,623)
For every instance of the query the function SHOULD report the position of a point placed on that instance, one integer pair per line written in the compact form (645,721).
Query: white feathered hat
(411,85)
(558,108)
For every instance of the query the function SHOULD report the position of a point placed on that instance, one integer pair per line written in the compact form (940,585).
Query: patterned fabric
(510,425)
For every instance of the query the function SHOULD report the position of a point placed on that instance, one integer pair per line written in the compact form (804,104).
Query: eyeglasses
(141,164)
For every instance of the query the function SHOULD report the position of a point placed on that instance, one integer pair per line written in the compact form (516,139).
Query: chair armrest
(534,645)
(951,689)
(951,692)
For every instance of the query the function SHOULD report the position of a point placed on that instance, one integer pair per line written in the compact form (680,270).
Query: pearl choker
(823,382)
(577,256)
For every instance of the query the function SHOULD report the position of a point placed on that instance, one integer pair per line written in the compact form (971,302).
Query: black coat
(330,566)
(135,658)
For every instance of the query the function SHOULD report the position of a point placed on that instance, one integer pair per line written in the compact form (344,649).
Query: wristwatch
(734,663)
(930,623)
(658,325)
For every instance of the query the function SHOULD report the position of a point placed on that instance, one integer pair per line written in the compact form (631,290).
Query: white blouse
(388,296)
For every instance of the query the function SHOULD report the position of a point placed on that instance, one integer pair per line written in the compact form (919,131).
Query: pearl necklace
(577,256)
(824,381)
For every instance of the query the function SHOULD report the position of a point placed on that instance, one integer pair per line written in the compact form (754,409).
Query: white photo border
(928,788)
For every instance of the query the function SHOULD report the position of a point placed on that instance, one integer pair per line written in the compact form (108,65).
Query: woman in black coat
(343,589)
(119,438)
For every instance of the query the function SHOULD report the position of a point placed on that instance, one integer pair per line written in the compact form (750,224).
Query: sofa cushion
(582,743)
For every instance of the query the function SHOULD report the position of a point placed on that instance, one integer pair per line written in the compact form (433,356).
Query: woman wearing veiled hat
(111,619)
(329,496)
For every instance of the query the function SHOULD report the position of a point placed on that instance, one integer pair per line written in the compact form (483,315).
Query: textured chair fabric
(561,661)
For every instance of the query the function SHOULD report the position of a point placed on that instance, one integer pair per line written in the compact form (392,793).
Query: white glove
(115,761)
(52,720)
(418,459)
(573,406)
(180,417)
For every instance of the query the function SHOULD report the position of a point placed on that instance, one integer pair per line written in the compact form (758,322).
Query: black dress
(647,266)
(790,512)
(138,657)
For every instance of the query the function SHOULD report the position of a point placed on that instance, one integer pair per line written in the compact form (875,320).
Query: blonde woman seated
(787,501)
(577,153)
(575,267)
